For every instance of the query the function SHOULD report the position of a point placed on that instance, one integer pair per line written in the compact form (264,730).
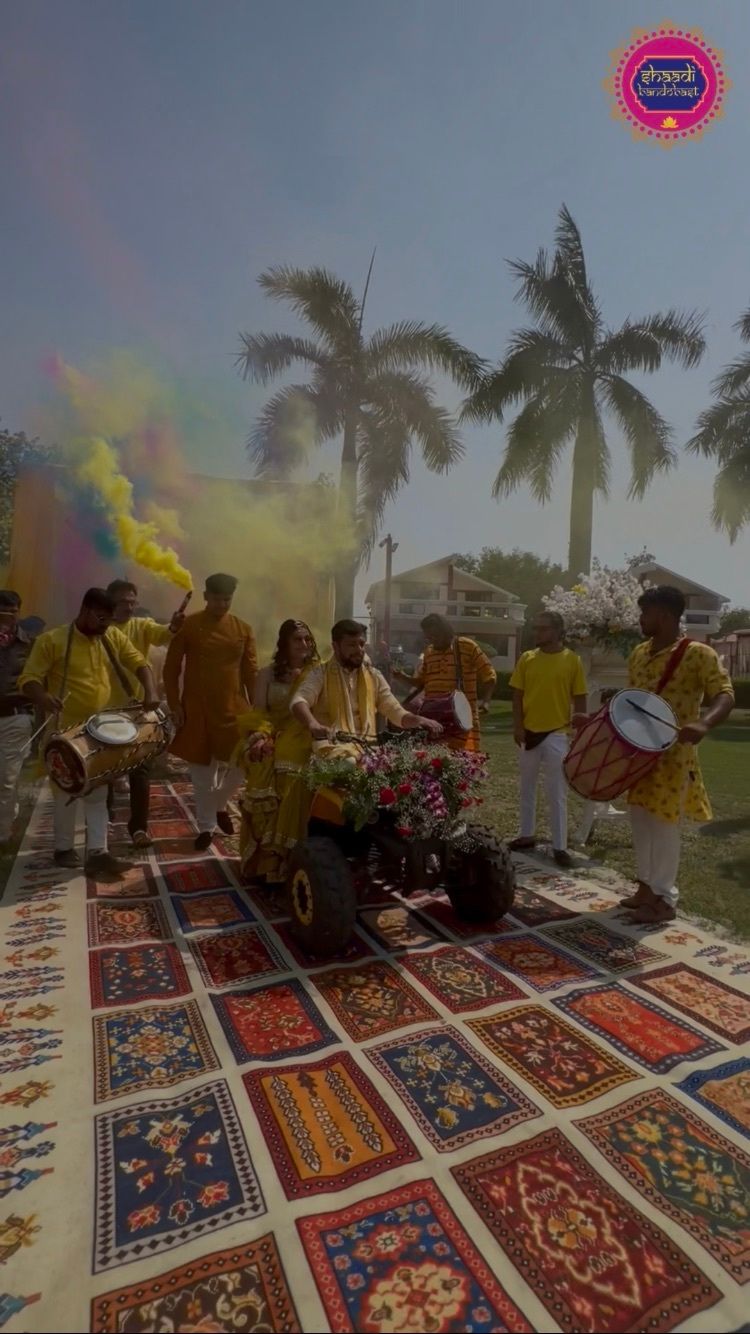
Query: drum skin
(77,764)
(601,764)
(442,709)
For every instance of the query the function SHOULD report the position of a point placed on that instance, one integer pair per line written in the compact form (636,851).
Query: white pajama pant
(15,734)
(656,844)
(547,756)
(96,815)
(214,785)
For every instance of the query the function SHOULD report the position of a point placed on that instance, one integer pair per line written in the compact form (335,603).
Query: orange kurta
(436,674)
(220,664)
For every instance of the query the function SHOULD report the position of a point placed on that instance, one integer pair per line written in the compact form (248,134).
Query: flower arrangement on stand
(425,792)
(601,609)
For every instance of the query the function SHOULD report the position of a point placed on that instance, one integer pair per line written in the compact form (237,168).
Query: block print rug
(536,1124)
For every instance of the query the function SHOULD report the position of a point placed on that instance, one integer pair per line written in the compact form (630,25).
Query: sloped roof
(468,580)
(699,588)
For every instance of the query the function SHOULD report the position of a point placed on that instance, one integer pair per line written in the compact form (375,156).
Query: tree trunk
(347,562)
(582,499)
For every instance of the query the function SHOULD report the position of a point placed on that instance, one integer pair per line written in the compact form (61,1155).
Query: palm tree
(569,372)
(724,434)
(368,391)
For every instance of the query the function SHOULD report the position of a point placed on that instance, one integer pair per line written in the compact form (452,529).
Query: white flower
(601,603)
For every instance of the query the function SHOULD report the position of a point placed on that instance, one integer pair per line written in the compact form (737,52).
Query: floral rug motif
(690,1172)
(537,1123)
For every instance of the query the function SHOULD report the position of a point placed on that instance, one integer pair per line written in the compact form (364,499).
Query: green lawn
(715,871)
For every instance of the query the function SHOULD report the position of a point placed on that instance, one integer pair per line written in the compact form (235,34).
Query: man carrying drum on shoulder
(454,662)
(144,633)
(67,676)
(690,675)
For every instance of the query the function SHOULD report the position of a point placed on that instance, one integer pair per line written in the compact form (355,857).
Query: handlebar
(403,736)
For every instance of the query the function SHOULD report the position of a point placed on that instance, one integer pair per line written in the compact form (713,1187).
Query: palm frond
(325,301)
(550,294)
(407,401)
(734,377)
(743,324)
(630,348)
(680,335)
(647,433)
(263,356)
(570,261)
(731,507)
(535,442)
(285,432)
(413,344)
(536,363)
(723,428)
(384,449)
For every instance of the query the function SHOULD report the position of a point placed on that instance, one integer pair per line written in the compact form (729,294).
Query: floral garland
(424,791)
(601,608)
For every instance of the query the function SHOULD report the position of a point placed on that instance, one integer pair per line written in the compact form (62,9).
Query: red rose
(463,785)
(421,754)
(404,789)
(404,831)
(466,802)
(387,796)
(436,762)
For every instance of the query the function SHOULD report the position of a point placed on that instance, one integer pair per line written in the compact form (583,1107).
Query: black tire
(481,881)
(321,897)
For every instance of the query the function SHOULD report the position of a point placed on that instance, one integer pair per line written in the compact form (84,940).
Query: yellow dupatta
(338,705)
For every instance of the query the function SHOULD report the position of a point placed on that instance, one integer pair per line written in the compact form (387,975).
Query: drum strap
(457,660)
(116,668)
(675,658)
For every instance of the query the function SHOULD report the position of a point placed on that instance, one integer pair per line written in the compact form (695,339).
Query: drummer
(673,791)
(67,676)
(447,657)
(144,633)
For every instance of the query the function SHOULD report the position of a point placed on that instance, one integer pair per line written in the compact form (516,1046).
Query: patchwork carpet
(540,1126)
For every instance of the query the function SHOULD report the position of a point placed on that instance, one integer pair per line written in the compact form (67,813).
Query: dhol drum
(452,711)
(108,745)
(620,744)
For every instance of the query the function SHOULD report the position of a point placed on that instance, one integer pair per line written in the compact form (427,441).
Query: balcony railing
(458,610)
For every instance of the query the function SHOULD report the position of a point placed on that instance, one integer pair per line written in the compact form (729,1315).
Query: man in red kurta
(217,651)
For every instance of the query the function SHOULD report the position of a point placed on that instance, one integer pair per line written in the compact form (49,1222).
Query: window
(419,592)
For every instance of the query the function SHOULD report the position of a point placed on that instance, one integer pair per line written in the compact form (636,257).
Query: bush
(742,692)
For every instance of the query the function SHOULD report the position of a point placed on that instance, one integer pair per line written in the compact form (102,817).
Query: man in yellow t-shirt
(549,685)
(67,676)
(144,633)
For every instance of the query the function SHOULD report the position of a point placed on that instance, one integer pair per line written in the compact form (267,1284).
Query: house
(491,615)
(704,606)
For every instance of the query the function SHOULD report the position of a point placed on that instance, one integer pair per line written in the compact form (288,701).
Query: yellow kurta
(144,634)
(436,674)
(220,664)
(674,789)
(276,800)
(88,683)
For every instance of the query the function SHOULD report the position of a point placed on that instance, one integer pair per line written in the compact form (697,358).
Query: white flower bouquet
(602,608)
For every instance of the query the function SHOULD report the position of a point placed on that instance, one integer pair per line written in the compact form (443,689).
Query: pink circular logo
(668,84)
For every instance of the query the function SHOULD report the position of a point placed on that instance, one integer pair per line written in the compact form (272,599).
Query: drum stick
(39,730)
(655,716)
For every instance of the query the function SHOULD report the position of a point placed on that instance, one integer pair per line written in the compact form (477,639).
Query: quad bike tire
(321,895)
(481,883)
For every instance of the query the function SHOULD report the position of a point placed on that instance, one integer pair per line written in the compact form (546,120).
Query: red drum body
(622,743)
(452,711)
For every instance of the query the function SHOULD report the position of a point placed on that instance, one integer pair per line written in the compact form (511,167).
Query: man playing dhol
(67,676)
(549,686)
(674,789)
(144,633)
(218,652)
(347,693)
(454,662)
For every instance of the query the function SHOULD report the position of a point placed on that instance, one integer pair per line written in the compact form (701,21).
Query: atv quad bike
(329,867)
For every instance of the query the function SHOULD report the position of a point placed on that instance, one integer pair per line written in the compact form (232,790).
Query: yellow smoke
(97,466)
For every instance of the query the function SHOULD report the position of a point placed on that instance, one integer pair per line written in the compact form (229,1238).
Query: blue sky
(156,157)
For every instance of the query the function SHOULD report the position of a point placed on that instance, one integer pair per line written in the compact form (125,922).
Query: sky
(155,158)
